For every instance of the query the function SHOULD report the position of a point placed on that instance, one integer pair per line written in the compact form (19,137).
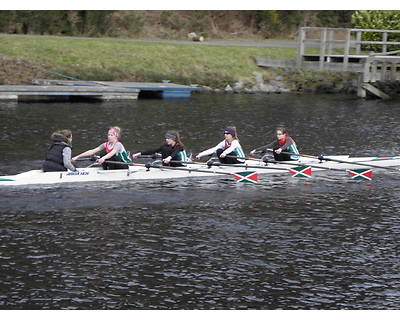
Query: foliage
(334,18)
(378,20)
(269,22)
(56,22)
(171,24)
(273,23)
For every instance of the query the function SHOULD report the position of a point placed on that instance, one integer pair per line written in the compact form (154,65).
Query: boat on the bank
(360,167)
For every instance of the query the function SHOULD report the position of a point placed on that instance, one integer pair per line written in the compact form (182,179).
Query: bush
(378,20)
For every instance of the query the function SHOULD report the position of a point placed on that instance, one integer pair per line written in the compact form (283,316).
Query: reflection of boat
(196,169)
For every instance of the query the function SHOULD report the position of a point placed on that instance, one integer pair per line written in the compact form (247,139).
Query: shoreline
(228,67)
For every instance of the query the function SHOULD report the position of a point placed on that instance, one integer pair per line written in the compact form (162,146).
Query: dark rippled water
(320,243)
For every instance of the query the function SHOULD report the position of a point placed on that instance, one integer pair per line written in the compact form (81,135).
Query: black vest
(54,157)
(54,154)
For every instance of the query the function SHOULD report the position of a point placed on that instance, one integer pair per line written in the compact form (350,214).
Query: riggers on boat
(359,168)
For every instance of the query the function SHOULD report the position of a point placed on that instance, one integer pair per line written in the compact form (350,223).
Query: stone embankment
(292,81)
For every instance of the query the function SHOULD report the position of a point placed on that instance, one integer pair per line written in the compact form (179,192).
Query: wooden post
(322,49)
(384,67)
(384,40)
(358,41)
(393,69)
(330,41)
(300,48)
(346,50)
(374,68)
(361,92)
(367,70)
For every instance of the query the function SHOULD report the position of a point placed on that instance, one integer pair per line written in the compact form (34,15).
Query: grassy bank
(102,60)
(106,60)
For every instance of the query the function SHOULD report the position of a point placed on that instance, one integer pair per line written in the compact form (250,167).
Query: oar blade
(246,176)
(385,158)
(361,174)
(301,172)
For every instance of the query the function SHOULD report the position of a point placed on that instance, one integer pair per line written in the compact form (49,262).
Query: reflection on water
(320,243)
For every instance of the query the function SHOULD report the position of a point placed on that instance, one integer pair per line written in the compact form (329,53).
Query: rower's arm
(86,153)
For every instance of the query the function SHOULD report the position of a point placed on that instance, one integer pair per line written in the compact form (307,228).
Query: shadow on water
(212,243)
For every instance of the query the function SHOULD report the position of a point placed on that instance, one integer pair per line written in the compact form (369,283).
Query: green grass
(102,60)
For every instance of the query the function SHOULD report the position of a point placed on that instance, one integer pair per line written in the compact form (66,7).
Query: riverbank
(215,68)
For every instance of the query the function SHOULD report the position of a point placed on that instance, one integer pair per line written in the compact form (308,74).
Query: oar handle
(188,162)
(151,156)
(245,158)
(91,158)
(85,159)
(126,163)
(150,165)
(93,164)
(299,154)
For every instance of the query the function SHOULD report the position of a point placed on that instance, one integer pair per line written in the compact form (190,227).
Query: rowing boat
(197,169)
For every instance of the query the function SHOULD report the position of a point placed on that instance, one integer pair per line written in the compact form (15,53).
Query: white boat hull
(137,172)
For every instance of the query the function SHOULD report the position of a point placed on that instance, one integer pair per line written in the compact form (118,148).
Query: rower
(281,146)
(229,146)
(172,150)
(114,155)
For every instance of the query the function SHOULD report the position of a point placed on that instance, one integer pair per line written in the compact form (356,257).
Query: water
(321,243)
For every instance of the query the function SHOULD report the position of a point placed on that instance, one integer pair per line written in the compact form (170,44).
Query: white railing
(347,41)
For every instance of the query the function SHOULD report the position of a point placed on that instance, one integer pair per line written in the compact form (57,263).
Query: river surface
(286,243)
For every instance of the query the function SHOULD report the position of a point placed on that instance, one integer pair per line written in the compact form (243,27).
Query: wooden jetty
(68,90)
(66,93)
(341,50)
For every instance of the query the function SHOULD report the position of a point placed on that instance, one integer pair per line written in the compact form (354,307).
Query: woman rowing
(113,153)
(229,150)
(58,156)
(281,146)
(172,152)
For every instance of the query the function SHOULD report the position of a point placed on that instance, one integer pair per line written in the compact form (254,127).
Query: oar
(91,158)
(290,163)
(151,156)
(248,176)
(116,162)
(296,171)
(218,164)
(358,174)
(157,164)
(126,163)
(93,164)
(285,163)
(321,157)
(302,169)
